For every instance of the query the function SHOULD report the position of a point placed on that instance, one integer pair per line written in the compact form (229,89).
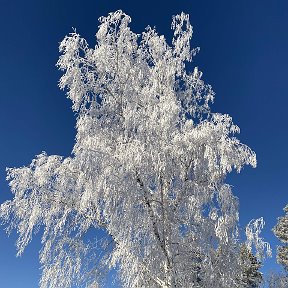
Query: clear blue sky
(244,56)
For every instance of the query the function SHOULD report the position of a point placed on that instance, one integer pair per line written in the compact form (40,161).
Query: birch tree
(148,168)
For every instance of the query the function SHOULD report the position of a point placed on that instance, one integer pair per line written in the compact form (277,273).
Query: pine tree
(281,232)
(251,277)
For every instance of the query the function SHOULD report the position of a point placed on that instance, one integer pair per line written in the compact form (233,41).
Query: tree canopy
(148,167)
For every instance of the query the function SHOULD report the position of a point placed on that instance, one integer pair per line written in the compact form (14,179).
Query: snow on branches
(148,168)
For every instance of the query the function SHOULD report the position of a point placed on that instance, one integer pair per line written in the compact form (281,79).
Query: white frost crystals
(148,168)
(253,229)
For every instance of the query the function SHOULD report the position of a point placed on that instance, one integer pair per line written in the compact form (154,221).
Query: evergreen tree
(281,232)
(251,277)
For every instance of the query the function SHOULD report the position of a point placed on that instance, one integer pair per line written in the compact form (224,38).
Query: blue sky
(244,56)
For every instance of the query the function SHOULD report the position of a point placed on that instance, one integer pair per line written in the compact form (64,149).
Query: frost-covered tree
(251,277)
(277,280)
(281,232)
(148,168)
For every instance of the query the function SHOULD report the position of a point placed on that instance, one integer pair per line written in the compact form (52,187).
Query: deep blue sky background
(244,56)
